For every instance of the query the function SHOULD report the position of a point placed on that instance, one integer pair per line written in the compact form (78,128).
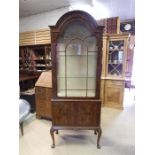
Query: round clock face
(127,27)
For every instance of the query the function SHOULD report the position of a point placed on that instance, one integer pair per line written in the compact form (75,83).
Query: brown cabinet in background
(34,59)
(43,92)
(43,102)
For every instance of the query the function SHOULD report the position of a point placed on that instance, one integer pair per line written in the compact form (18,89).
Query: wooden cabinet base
(76,115)
(113,92)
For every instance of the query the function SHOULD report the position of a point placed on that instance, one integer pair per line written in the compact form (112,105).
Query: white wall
(41,21)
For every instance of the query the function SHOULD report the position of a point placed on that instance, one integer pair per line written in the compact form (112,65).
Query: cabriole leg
(95,132)
(98,138)
(53,139)
(21,128)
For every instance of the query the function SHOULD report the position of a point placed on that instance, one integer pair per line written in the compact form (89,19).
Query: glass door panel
(76,62)
(115,58)
(92,65)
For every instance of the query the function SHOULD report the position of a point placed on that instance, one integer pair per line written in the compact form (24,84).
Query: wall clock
(128,26)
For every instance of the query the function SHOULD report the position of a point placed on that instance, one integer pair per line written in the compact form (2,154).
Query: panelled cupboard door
(114,92)
(87,113)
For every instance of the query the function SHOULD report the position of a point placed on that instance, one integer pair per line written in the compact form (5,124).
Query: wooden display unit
(76,52)
(34,59)
(116,55)
(43,92)
(114,63)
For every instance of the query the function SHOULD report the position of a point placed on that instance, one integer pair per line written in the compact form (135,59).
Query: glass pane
(60,47)
(61,83)
(115,61)
(61,66)
(91,83)
(76,29)
(91,44)
(76,47)
(76,54)
(76,93)
(76,66)
(76,83)
(90,93)
(61,93)
(92,65)
(115,69)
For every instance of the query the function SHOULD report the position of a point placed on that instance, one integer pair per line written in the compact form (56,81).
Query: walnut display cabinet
(76,53)
(113,77)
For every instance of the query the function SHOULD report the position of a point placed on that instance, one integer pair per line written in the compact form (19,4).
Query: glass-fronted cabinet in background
(113,70)
(116,55)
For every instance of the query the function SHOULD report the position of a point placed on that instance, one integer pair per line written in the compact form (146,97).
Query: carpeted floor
(117,135)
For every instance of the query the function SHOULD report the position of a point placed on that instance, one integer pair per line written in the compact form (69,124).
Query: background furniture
(24,110)
(111,25)
(34,59)
(27,81)
(76,52)
(129,26)
(113,69)
(43,93)
(37,37)
(129,62)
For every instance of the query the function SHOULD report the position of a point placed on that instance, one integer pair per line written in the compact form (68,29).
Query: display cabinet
(34,59)
(116,55)
(113,77)
(76,52)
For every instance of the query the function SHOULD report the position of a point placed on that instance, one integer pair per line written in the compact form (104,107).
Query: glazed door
(76,62)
